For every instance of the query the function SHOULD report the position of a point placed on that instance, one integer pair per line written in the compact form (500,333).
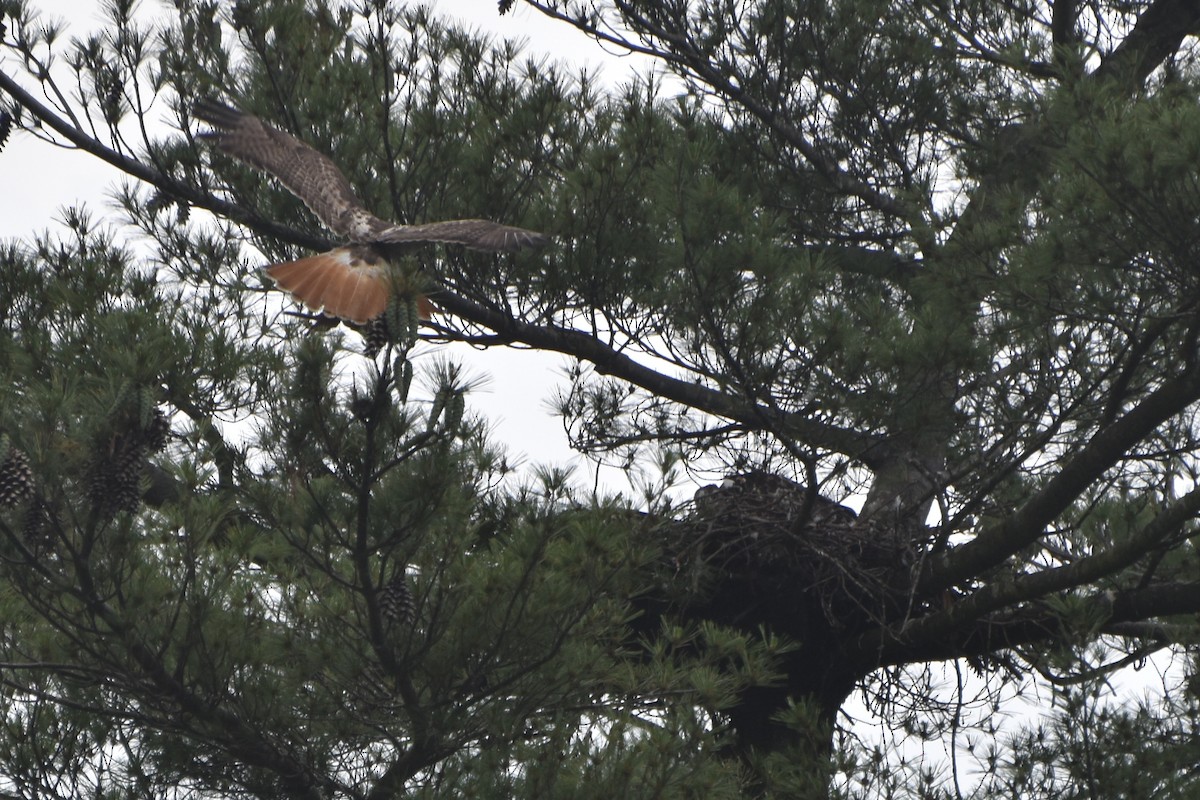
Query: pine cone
(36,530)
(157,202)
(16,479)
(396,601)
(115,482)
(156,432)
(115,474)
(376,335)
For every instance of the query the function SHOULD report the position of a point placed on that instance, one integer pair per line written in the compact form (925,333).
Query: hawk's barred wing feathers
(306,173)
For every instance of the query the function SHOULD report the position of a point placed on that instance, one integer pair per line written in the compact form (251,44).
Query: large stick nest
(761,547)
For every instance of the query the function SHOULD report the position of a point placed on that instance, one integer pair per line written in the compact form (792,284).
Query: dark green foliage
(268,593)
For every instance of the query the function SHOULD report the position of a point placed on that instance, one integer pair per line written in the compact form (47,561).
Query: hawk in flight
(353,281)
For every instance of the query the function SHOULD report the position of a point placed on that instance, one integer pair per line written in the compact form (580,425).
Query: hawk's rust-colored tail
(341,285)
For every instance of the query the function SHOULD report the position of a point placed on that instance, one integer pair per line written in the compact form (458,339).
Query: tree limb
(997,542)
(1128,615)
(178,189)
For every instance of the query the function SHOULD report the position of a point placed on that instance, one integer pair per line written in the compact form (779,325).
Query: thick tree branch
(1038,624)
(134,168)
(893,642)
(1028,523)
(1062,22)
(1154,631)
(608,361)
(1157,35)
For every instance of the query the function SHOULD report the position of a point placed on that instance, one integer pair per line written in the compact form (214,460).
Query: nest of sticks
(761,542)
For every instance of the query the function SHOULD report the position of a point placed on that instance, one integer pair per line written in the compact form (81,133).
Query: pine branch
(897,643)
(164,183)
(242,740)
(1025,525)
(680,51)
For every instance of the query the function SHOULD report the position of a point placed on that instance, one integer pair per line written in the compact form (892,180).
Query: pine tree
(935,262)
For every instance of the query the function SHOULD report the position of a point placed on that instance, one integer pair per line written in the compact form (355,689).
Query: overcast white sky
(516,386)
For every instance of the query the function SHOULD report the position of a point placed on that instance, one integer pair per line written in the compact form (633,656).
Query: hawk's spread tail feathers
(348,282)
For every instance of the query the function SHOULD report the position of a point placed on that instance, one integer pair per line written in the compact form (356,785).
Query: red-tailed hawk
(353,281)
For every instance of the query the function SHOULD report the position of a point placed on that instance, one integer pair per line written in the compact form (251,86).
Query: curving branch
(165,183)
(871,449)
(1127,616)
(1028,523)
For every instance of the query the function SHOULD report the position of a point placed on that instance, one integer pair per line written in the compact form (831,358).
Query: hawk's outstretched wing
(478,234)
(306,173)
(317,181)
